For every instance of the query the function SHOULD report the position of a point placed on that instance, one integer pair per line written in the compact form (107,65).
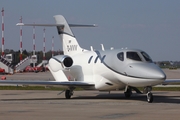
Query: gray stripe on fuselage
(98,54)
(124,74)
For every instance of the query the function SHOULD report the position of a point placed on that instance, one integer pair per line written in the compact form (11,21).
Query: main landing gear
(147,90)
(128,92)
(68,94)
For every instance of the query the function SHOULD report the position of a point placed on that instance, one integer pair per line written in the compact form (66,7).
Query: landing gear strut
(147,90)
(68,94)
(128,92)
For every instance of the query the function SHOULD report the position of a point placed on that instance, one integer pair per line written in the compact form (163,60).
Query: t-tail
(69,42)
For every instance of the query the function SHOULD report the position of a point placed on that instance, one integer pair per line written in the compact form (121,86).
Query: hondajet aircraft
(103,70)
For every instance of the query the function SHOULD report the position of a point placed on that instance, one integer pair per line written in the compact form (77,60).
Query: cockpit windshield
(133,56)
(146,57)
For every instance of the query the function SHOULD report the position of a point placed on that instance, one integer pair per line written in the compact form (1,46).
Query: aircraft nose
(145,70)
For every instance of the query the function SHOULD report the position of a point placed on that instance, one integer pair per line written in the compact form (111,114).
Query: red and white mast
(20,39)
(52,46)
(2,32)
(44,49)
(34,47)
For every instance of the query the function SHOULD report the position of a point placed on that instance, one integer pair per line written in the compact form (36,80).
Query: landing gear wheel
(68,94)
(149,97)
(128,93)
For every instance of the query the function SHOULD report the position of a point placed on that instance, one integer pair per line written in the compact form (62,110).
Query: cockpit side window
(120,56)
(146,57)
(133,56)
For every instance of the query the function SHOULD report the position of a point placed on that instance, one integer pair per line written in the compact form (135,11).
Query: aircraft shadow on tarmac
(135,97)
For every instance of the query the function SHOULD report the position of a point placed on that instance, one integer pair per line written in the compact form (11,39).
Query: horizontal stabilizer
(69,43)
(76,25)
(55,25)
(44,25)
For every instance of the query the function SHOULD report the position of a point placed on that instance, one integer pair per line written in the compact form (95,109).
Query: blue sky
(150,25)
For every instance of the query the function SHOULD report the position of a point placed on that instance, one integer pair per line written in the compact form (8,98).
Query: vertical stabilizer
(69,42)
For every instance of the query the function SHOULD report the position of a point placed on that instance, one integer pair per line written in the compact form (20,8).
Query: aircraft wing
(171,81)
(61,83)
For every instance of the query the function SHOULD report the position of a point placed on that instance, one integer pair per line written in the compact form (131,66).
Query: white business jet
(103,70)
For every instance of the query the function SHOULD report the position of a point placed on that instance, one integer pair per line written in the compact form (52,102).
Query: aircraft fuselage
(115,69)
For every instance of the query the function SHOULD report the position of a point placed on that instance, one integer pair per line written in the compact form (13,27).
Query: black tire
(128,93)
(68,94)
(149,97)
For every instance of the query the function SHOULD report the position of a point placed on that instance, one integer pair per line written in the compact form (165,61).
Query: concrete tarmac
(46,105)
(87,105)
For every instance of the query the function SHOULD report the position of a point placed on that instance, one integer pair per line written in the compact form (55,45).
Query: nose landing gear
(147,90)
(149,97)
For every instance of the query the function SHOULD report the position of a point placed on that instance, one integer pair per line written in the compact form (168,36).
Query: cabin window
(120,56)
(133,56)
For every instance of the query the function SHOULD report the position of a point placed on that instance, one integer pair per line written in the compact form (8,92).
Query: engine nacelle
(60,62)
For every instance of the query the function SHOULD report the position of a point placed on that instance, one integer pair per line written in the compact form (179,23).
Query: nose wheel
(149,97)
(147,90)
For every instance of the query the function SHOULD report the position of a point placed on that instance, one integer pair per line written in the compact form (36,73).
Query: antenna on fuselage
(112,48)
(102,47)
(91,48)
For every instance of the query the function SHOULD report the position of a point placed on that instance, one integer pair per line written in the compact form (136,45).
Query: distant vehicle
(2,71)
(35,69)
(29,69)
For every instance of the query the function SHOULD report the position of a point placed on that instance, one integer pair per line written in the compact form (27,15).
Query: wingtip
(19,24)
(95,25)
